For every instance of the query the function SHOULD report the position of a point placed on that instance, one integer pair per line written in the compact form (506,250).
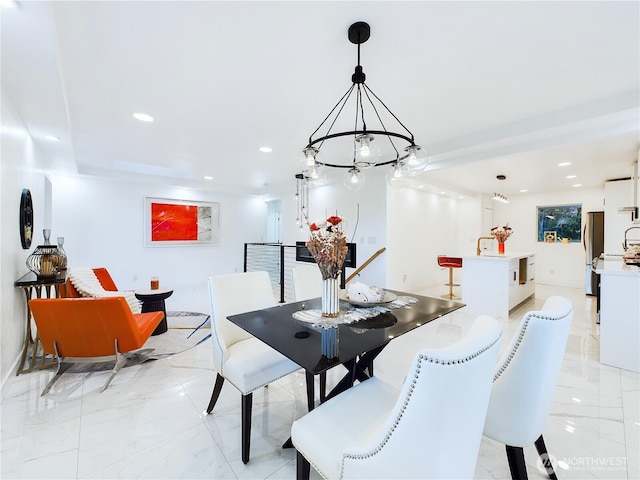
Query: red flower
(314,227)
(334,220)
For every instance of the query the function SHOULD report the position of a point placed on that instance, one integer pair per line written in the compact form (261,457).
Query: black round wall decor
(26,218)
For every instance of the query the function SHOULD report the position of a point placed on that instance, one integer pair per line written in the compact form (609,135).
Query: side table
(153,301)
(32,349)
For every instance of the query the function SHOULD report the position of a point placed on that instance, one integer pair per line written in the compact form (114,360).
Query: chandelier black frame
(413,158)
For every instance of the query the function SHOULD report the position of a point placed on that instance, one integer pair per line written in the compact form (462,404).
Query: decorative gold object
(44,261)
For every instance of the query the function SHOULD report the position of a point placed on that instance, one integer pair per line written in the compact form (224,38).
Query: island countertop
(494,283)
(498,256)
(619,313)
(616,266)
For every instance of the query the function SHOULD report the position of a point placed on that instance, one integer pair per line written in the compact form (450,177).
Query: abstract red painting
(173,222)
(181,222)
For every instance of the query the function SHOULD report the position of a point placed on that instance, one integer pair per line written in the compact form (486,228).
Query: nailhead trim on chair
(214,327)
(521,333)
(215,332)
(396,422)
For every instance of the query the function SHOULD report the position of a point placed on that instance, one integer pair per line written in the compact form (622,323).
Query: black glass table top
(303,343)
(31,279)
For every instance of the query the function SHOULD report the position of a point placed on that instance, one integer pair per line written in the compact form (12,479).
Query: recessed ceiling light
(52,138)
(208,177)
(143,117)
(266,149)
(564,164)
(524,190)
(577,185)
(442,193)
(570,176)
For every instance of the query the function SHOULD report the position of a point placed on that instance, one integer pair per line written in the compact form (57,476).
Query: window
(558,222)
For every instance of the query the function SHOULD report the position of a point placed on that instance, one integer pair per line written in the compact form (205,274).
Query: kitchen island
(619,313)
(493,284)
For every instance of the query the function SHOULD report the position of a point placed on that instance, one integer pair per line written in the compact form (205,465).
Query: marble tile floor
(150,424)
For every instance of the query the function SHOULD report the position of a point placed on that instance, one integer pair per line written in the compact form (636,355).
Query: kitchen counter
(619,313)
(493,284)
(499,256)
(615,265)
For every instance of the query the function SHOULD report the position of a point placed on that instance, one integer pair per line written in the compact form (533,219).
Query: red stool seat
(450,263)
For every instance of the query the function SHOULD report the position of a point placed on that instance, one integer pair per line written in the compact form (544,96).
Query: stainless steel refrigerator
(593,241)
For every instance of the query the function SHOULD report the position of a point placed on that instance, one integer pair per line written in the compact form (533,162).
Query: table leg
(310,390)
(32,347)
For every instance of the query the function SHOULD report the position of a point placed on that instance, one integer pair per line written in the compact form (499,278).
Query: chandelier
(500,197)
(367,147)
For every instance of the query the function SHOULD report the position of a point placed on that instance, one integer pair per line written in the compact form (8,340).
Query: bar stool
(450,263)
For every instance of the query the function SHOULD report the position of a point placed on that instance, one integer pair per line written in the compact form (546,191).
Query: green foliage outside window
(558,222)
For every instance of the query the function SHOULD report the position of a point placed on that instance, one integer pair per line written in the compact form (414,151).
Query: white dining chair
(239,357)
(524,383)
(430,428)
(307,282)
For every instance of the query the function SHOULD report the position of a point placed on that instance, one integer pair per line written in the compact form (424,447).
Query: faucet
(625,244)
(478,245)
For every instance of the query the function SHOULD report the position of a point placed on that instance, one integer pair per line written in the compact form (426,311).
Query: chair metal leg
(246,425)
(62,367)
(544,456)
(120,362)
(450,295)
(302,467)
(515,456)
(217,388)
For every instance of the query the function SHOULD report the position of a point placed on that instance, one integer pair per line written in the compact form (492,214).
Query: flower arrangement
(328,245)
(501,233)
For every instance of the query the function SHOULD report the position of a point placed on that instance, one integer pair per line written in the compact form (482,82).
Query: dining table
(318,348)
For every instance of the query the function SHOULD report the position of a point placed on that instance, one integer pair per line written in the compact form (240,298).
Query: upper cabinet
(617,195)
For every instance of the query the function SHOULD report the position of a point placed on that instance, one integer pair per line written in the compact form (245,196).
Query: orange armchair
(86,330)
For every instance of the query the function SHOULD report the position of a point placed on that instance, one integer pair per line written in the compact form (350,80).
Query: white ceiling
(487,88)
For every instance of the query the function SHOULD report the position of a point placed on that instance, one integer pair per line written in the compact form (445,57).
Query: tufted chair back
(524,383)
(239,357)
(230,295)
(307,282)
(430,428)
(527,373)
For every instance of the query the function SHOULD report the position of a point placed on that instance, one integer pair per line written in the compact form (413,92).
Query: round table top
(159,294)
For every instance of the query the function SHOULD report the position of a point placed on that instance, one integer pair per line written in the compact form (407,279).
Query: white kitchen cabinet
(619,314)
(494,284)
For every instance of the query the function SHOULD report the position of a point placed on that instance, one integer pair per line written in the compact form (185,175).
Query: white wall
(365,217)
(556,263)
(102,222)
(420,226)
(21,168)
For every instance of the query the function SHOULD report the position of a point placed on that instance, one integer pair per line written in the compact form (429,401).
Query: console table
(33,287)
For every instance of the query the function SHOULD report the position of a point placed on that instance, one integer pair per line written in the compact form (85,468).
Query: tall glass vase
(501,248)
(330,297)
(62,255)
